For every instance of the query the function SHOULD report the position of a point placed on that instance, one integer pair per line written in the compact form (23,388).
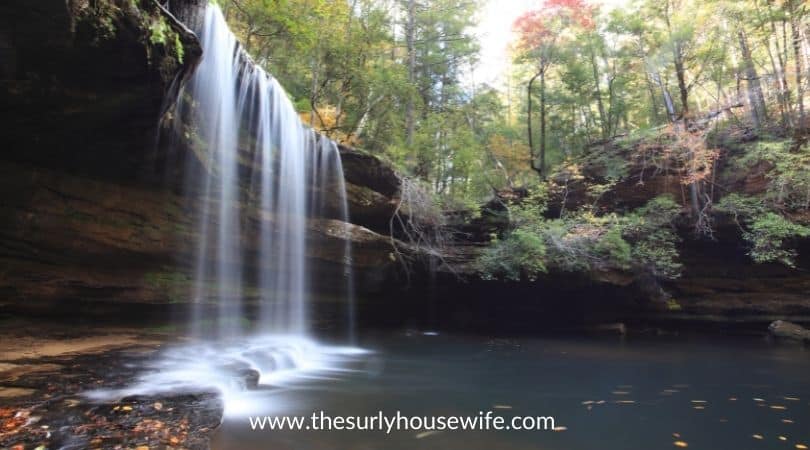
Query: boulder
(789,330)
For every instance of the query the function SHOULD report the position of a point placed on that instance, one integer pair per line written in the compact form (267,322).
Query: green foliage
(158,31)
(740,207)
(767,232)
(346,67)
(161,33)
(179,49)
(789,177)
(641,241)
(520,256)
(100,19)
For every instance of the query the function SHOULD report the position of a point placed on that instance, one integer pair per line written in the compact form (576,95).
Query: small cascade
(258,156)
(327,173)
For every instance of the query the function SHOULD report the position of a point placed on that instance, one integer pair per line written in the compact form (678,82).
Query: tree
(539,39)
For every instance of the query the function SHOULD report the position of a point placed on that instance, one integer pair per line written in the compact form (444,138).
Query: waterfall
(258,153)
(258,156)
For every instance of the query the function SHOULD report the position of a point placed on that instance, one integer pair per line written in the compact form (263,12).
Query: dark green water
(608,393)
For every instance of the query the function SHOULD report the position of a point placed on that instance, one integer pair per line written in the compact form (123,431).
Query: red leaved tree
(540,34)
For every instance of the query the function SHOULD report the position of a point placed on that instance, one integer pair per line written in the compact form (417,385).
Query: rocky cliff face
(83,82)
(89,204)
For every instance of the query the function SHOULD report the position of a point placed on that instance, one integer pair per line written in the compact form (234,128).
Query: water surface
(608,393)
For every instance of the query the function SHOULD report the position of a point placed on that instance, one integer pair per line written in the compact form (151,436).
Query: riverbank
(46,368)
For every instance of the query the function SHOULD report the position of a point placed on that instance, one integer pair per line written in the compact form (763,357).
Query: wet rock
(789,330)
(250,377)
(363,169)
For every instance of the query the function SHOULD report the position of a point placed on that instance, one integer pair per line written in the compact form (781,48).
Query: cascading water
(244,115)
(258,156)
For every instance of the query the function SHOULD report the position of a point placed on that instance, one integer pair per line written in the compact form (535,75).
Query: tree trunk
(782,77)
(670,105)
(603,121)
(410,39)
(543,124)
(755,97)
(649,81)
(680,73)
(784,108)
(797,53)
(653,99)
(529,121)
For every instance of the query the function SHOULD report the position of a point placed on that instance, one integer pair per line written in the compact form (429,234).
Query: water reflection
(708,393)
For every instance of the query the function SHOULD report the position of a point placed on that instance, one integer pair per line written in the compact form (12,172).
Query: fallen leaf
(426,434)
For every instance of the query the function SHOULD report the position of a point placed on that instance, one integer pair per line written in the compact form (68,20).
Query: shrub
(767,232)
(642,241)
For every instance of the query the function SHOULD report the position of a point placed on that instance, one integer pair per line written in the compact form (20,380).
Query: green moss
(179,50)
(100,20)
(158,31)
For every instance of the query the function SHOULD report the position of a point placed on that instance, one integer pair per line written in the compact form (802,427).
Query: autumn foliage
(537,27)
